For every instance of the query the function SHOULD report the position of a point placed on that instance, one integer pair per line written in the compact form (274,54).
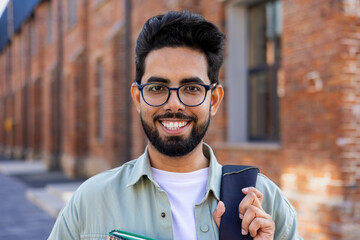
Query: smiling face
(174,129)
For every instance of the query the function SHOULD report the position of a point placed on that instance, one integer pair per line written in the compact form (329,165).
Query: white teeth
(173,125)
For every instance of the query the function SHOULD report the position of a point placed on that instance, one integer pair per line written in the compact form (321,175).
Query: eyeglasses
(190,94)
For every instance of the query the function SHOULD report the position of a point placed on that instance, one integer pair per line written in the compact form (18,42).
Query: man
(172,191)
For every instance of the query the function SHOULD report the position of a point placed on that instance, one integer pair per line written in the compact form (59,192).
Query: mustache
(175,115)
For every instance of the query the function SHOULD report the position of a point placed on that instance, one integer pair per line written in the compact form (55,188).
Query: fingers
(219,211)
(258,194)
(262,226)
(254,219)
(253,197)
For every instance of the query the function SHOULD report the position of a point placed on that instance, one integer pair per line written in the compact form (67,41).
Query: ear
(135,94)
(216,98)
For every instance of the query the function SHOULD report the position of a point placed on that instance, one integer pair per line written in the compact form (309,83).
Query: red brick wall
(314,51)
(349,135)
(317,164)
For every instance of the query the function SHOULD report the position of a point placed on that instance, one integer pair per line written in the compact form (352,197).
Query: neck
(195,160)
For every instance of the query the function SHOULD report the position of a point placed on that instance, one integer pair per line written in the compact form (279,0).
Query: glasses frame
(207,88)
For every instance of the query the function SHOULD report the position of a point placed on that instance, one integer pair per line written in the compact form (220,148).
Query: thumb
(219,211)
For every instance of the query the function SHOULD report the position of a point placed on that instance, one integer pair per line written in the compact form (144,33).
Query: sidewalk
(19,217)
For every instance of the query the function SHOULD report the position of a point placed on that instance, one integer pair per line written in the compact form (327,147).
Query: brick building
(291,79)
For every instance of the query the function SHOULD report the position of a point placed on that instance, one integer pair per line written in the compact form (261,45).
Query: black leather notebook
(234,178)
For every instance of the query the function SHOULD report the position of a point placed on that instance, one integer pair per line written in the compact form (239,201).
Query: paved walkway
(19,218)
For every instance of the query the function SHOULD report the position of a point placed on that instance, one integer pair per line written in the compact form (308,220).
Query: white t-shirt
(184,190)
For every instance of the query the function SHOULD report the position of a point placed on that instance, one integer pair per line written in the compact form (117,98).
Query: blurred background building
(291,79)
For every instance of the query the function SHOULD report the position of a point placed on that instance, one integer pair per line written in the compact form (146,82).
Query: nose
(173,104)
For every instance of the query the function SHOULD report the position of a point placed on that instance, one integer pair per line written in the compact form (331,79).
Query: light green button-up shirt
(127,198)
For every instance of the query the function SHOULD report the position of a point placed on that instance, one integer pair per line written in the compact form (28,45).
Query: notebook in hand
(122,235)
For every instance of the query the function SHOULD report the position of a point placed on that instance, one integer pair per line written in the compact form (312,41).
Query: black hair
(180,29)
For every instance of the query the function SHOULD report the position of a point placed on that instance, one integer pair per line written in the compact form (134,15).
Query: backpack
(233,179)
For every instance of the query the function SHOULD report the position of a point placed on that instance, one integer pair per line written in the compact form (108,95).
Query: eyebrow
(191,80)
(158,80)
(183,81)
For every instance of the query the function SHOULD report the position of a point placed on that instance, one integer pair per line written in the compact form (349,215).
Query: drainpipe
(59,73)
(128,60)
(26,100)
(9,77)
(84,59)
(8,96)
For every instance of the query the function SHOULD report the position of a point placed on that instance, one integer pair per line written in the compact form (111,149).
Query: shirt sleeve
(286,223)
(66,225)
(278,206)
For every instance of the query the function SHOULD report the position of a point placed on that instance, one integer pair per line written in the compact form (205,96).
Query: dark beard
(176,146)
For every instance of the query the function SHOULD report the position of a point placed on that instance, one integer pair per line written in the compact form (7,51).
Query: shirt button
(204,228)
(163,215)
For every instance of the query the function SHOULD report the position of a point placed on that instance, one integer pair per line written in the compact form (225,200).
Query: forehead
(176,64)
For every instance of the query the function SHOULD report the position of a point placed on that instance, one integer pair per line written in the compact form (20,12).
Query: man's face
(173,128)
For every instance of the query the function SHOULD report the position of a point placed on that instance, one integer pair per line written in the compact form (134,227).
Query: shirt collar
(215,172)
(142,168)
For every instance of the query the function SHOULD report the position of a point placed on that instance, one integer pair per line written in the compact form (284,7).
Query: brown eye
(155,88)
(192,88)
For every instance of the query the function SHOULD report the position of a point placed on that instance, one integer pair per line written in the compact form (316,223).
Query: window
(72,12)
(33,38)
(99,96)
(263,64)
(9,67)
(20,50)
(254,36)
(49,36)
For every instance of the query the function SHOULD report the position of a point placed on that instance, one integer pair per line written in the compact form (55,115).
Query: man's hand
(254,219)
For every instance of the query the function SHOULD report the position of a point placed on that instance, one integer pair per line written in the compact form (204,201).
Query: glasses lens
(192,94)
(155,94)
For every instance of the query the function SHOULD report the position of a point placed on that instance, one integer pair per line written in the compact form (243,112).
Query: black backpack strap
(234,178)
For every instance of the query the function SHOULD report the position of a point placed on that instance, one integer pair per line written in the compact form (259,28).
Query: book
(122,235)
